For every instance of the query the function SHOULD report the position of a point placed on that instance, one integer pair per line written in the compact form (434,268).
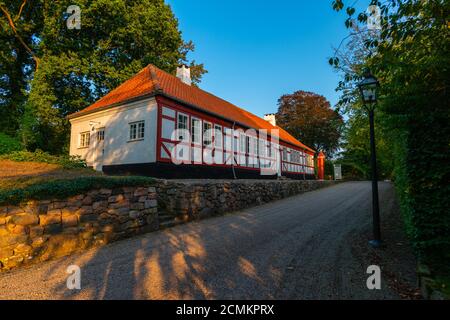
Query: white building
(132,130)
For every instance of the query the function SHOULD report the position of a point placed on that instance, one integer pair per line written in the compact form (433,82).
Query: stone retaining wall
(197,199)
(41,230)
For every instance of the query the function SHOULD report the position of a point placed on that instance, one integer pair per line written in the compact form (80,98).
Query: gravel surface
(310,246)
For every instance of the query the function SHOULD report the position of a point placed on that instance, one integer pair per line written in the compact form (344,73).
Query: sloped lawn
(22,181)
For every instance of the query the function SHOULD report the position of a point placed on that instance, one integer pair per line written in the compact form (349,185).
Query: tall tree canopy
(49,71)
(310,118)
(409,55)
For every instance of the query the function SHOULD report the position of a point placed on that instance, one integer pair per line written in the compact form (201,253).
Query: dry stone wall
(37,231)
(40,230)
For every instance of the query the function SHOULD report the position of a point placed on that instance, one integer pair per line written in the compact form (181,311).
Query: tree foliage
(50,70)
(310,118)
(410,57)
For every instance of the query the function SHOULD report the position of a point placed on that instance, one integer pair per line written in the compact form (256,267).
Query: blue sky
(255,51)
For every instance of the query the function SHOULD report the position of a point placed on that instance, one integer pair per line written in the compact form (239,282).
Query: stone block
(53,229)
(70,211)
(135,214)
(116,198)
(23,249)
(105,192)
(57,205)
(137,206)
(10,239)
(6,252)
(121,204)
(150,204)
(36,231)
(39,241)
(48,219)
(17,229)
(85,210)
(99,206)
(70,220)
(24,219)
(87,201)
(89,218)
(140,192)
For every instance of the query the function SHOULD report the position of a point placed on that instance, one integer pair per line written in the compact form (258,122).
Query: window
(247,144)
(262,148)
(228,139)
(255,146)
(284,154)
(101,134)
(196,130)
(85,138)
(242,142)
(137,130)
(218,136)
(182,126)
(207,133)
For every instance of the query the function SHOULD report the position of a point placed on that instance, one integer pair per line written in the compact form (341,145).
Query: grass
(22,181)
(15,175)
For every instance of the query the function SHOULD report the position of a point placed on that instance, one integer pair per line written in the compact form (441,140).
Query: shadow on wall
(171,264)
(116,148)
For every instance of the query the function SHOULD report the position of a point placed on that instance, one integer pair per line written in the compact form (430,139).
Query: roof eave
(109,106)
(162,93)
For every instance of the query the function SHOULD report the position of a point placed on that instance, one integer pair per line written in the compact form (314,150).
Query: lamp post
(368,88)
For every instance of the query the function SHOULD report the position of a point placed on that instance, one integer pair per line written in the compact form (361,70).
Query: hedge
(59,189)
(9,144)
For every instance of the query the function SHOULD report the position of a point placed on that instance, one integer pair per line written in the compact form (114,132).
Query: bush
(66,188)
(9,144)
(65,161)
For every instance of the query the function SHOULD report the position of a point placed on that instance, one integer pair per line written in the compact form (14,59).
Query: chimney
(270,117)
(184,74)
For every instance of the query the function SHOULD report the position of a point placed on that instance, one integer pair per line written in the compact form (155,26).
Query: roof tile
(152,80)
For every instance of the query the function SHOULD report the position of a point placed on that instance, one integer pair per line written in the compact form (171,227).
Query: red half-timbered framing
(234,148)
(234,141)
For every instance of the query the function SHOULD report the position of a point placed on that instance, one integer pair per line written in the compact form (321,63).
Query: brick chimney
(270,117)
(184,74)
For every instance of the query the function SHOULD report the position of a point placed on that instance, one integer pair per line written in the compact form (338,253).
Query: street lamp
(368,88)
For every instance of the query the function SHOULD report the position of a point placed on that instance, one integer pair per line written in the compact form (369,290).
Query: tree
(310,118)
(410,58)
(71,68)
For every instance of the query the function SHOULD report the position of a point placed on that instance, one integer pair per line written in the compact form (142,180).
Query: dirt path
(311,246)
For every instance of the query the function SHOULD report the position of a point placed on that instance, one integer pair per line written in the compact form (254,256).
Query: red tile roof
(152,80)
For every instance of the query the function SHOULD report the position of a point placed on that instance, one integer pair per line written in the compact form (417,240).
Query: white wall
(117,149)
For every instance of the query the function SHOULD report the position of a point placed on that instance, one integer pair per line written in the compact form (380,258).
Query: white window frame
(186,124)
(242,143)
(100,134)
(136,130)
(218,136)
(207,134)
(194,129)
(84,140)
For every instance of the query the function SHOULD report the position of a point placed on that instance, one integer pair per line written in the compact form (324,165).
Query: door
(99,149)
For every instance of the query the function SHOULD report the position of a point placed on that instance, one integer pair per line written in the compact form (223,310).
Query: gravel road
(304,247)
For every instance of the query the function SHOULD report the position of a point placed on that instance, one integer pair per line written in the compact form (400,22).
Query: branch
(13,27)
(20,10)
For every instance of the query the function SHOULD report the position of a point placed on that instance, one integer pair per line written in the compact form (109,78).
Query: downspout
(232,150)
